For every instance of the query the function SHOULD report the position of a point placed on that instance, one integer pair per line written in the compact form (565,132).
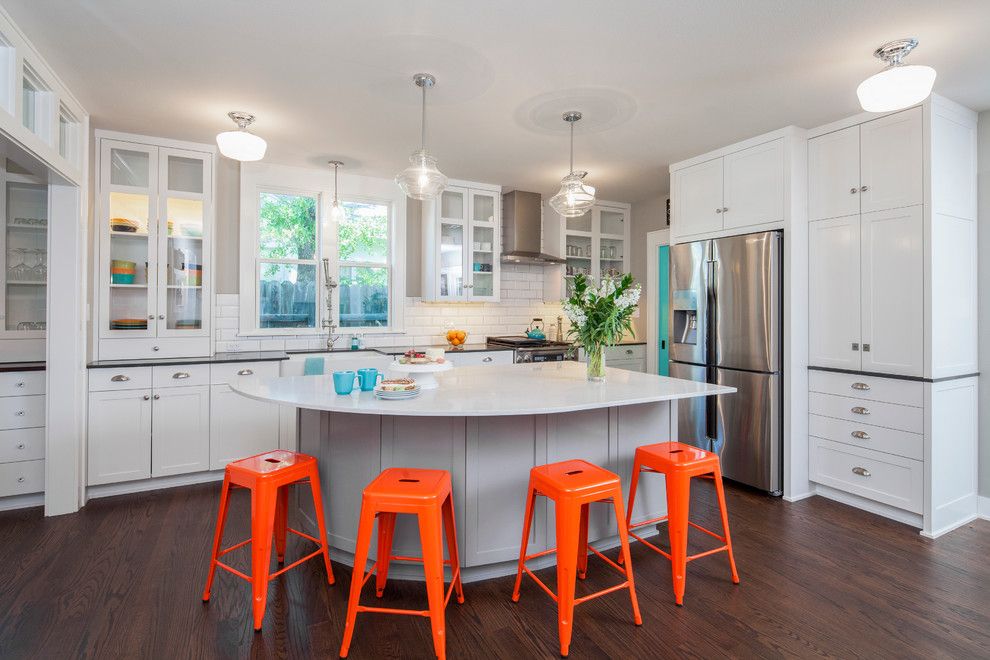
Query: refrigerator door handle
(711,411)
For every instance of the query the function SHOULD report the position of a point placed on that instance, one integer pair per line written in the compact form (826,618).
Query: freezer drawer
(749,435)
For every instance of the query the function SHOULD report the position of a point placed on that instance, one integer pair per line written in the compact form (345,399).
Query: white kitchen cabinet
(595,244)
(180,427)
(483,358)
(119,442)
(833,174)
(22,432)
(239,426)
(893,309)
(154,250)
(834,285)
(696,199)
(462,233)
(753,186)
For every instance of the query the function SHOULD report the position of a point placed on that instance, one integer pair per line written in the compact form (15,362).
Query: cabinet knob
(146,397)
(860,410)
(20,480)
(866,348)
(157,396)
(862,435)
(20,446)
(860,386)
(151,317)
(855,346)
(19,413)
(861,471)
(20,384)
(244,372)
(155,348)
(120,378)
(725,209)
(487,359)
(161,316)
(863,188)
(853,191)
(179,375)
(718,210)
(629,351)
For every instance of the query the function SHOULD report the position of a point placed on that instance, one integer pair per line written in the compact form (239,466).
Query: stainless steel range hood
(522,227)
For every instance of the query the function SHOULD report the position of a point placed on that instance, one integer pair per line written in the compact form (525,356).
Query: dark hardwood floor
(123,578)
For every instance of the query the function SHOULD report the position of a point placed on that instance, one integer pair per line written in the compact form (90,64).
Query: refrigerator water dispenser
(684,305)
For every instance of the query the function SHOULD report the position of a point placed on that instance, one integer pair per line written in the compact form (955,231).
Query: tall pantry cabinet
(892,313)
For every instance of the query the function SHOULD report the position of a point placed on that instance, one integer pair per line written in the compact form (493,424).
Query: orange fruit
(455,341)
(461,335)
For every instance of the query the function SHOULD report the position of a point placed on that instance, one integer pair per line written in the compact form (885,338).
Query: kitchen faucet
(328,323)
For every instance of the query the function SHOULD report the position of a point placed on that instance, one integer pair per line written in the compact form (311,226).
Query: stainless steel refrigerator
(725,327)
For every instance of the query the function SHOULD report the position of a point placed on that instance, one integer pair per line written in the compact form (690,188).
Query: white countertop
(511,389)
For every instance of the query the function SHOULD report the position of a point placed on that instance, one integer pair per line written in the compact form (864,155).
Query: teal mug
(369,378)
(343,382)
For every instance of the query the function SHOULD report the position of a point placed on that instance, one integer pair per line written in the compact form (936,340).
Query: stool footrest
(608,590)
(577,601)
(315,553)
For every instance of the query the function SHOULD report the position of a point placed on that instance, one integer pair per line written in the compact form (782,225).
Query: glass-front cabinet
(154,261)
(595,244)
(461,243)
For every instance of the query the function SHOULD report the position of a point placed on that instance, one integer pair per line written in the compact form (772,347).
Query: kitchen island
(487,425)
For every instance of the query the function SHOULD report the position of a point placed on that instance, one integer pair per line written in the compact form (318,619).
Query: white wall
(983,251)
(647,215)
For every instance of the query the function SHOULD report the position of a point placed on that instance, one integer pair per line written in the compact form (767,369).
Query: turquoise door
(663,295)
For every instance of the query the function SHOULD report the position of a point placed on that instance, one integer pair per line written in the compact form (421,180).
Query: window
(362,258)
(286,235)
(287,240)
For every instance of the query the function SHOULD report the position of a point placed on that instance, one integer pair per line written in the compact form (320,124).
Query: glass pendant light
(422,179)
(240,144)
(336,210)
(575,197)
(898,86)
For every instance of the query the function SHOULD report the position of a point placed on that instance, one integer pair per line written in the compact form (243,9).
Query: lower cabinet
(119,446)
(483,358)
(631,357)
(239,426)
(180,421)
(22,432)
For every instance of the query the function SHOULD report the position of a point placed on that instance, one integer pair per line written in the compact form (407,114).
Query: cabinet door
(834,293)
(23,255)
(484,248)
(184,268)
(893,291)
(833,174)
(754,186)
(892,155)
(239,426)
(697,193)
(180,430)
(613,226)
(452,244)
(119,443)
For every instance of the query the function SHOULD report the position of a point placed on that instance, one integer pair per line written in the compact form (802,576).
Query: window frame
(260,177)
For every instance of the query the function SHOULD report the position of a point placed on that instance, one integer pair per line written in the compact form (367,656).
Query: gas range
(536,350)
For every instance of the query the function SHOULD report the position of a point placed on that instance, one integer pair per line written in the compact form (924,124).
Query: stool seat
(268,477)
(678,456)
(573,486)
(427,495)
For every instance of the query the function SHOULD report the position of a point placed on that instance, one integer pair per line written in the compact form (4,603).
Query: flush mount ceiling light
(240,144)
(336,210)
(898,86)
(575,197)
(422,179)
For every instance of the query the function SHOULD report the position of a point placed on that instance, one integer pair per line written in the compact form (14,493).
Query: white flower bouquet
(600,316)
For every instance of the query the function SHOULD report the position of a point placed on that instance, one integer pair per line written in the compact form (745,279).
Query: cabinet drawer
(22,445)
(22,478)
(160,347)
(227,372)
(867,436)
(872,388)
(484,358)
(17,383)
(628,365)
(880,477)
(122,378)
(877,413)
(180,375)
(22,412)
(634,352)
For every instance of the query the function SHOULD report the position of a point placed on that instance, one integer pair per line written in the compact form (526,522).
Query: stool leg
(626,559)
(321,521)
(262,529)
(450,528)
(582,555)
(430,535)
(720,491)
(218,535)
(386,531)
(365,527)
(530,497)
(281,522)
(633,485)
(678,501)
(568,528)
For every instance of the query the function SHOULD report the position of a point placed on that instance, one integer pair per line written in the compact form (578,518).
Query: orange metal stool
(679,463)
(427,494)
(268,476)
(573,485)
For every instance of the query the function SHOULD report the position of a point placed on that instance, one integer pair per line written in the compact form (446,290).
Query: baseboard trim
(799,497)
(144,485)
(948,528)
(983,507)
(12,502)
(885,510)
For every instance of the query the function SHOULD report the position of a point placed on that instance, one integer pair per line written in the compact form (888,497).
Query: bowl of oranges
(456,339)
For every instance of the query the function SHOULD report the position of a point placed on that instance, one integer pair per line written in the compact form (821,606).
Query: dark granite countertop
(217,358)
(399,350)
(6,367)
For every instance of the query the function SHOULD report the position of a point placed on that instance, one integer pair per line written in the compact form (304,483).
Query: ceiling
(658,81)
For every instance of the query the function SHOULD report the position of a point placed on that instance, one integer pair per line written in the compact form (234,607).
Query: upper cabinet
(873,166)
(462,242)
(23,262)
(734,190)
(154,228)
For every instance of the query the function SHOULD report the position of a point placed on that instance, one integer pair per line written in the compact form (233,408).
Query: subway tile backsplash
(522,301)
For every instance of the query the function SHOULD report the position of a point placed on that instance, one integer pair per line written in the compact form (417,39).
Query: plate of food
(397,388)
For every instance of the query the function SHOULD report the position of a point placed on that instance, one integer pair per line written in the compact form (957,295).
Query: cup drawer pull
(245,372)
(861,471)
(487,359)
(179,375)
(863,387)
(862,435)
(120,378)
(860,410)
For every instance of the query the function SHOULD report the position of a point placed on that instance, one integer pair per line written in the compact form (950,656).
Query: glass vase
(596,362)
